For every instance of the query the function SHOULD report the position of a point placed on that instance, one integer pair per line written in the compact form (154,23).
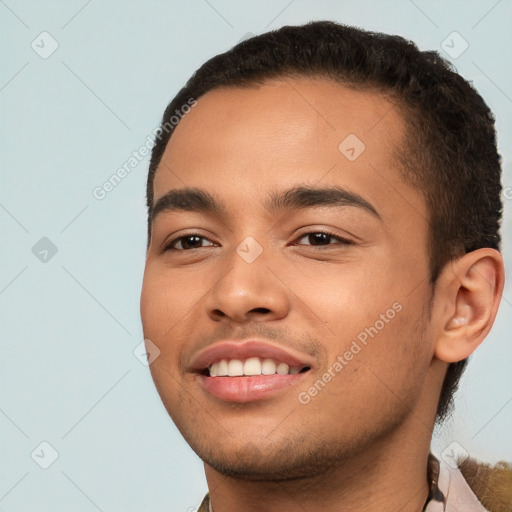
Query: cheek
(163,312)
(344,298)
(166,298)
(164,308)
(152,302)
(367,315)
(382,372)
(396,355)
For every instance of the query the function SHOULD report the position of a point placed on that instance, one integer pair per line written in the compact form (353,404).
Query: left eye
(321,238)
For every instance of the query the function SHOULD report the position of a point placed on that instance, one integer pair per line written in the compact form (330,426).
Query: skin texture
(363,440)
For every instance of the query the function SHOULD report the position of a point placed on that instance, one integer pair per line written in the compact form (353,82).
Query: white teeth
(251,366)
(222,369)
(235,368)
(268,367)
(283,369)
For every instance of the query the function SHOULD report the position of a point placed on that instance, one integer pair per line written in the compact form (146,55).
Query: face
(287,295)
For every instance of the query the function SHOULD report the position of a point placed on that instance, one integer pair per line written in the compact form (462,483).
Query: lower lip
(248,389)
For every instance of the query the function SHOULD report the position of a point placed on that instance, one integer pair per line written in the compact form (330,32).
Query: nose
(246,292)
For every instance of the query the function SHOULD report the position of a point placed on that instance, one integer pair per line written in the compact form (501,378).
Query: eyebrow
(300,197)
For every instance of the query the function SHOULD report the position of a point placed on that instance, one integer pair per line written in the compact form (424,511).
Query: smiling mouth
(251,367)
(250,370)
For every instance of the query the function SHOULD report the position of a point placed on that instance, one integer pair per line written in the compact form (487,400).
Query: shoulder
(205,504)
(492,485)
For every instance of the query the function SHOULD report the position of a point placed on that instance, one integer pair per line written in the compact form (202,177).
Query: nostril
(260,310)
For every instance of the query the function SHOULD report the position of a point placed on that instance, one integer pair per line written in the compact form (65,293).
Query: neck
(389,475)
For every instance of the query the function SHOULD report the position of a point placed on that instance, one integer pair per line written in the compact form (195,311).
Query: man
(323,257)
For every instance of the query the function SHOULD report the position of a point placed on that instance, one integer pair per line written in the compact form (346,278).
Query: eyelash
(343,241)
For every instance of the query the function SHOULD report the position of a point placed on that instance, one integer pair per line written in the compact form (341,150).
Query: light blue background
(69,326)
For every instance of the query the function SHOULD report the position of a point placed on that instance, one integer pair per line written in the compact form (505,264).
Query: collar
(449,491)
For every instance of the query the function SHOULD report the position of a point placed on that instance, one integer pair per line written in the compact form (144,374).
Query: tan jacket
(470,487)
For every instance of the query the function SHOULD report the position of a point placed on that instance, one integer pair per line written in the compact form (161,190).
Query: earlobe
(470,289)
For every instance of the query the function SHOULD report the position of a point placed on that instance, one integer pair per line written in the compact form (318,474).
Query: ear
(468,294)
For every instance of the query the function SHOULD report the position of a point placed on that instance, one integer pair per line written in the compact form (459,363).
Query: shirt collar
(449,491)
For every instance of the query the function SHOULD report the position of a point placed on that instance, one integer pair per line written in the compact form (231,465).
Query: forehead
(241,143)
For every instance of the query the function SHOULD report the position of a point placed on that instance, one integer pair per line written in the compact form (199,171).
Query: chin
(263,469)
(284,459)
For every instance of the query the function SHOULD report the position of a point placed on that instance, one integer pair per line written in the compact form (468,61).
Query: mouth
(248,371)
(253,366)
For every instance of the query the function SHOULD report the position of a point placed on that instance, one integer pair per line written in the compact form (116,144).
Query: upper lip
(230,349)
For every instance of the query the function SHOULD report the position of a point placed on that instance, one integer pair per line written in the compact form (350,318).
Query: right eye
(186,242)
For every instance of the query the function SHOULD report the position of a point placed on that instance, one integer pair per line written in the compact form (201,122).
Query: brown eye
(186,242)
(323,238)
